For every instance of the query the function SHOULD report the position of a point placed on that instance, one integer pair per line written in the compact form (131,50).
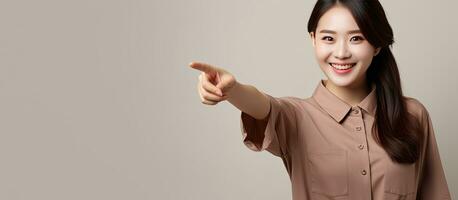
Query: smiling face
(343,53)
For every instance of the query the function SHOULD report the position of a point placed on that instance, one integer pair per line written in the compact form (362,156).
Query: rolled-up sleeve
(433,184)
(276,132)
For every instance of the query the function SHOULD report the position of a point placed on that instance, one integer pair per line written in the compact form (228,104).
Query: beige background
(97,100)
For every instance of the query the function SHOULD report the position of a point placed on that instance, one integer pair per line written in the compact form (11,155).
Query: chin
(341,82)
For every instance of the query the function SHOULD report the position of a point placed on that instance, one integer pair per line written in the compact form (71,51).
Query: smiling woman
(340,47)
(346,63)
(357,137)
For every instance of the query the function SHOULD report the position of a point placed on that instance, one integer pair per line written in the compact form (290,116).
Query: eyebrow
(333,32)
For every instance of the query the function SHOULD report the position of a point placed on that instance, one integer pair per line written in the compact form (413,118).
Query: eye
(357,38)
(327,38)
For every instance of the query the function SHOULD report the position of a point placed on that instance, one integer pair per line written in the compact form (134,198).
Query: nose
(341,51)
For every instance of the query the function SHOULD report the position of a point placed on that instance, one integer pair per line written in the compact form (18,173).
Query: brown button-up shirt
(329,152)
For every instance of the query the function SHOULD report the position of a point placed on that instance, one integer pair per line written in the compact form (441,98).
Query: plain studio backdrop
(97,100)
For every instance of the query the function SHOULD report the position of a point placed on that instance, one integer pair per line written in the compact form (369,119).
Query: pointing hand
(214,83)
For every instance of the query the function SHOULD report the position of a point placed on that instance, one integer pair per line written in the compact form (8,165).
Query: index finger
(202,67)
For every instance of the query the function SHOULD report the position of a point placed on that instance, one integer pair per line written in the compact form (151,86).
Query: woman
(357,136)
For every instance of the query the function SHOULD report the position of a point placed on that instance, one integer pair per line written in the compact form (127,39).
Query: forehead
(338,19)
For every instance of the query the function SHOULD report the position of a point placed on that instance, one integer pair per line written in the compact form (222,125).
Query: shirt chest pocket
(329,174)
(400,181)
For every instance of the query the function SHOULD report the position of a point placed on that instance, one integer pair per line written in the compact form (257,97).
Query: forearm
(249,100)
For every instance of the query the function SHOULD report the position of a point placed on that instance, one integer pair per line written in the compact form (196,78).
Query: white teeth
(337,66)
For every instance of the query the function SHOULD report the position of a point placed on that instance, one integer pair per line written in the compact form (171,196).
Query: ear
(312,36)
(377,50)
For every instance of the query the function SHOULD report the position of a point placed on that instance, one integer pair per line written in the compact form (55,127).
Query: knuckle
(208,97)
(205,95)
(204,86)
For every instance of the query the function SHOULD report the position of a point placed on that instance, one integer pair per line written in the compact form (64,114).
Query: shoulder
(287,102)
(416,107)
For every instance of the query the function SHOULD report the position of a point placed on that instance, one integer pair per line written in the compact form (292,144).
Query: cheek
(322,52)
(364,53)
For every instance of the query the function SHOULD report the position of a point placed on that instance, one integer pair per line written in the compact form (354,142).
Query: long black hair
(395,129)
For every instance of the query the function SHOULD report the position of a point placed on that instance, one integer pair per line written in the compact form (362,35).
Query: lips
(342,66)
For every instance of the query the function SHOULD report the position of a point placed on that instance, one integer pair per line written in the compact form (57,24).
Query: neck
(351,95)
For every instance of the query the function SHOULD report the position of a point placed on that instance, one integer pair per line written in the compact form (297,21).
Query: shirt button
(356,111)
(363,172)
(358,128)
(361,146)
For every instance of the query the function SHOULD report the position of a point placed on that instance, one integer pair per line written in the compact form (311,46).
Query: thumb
(223,83)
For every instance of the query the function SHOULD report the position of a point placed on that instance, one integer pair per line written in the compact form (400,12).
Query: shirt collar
(336,107)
